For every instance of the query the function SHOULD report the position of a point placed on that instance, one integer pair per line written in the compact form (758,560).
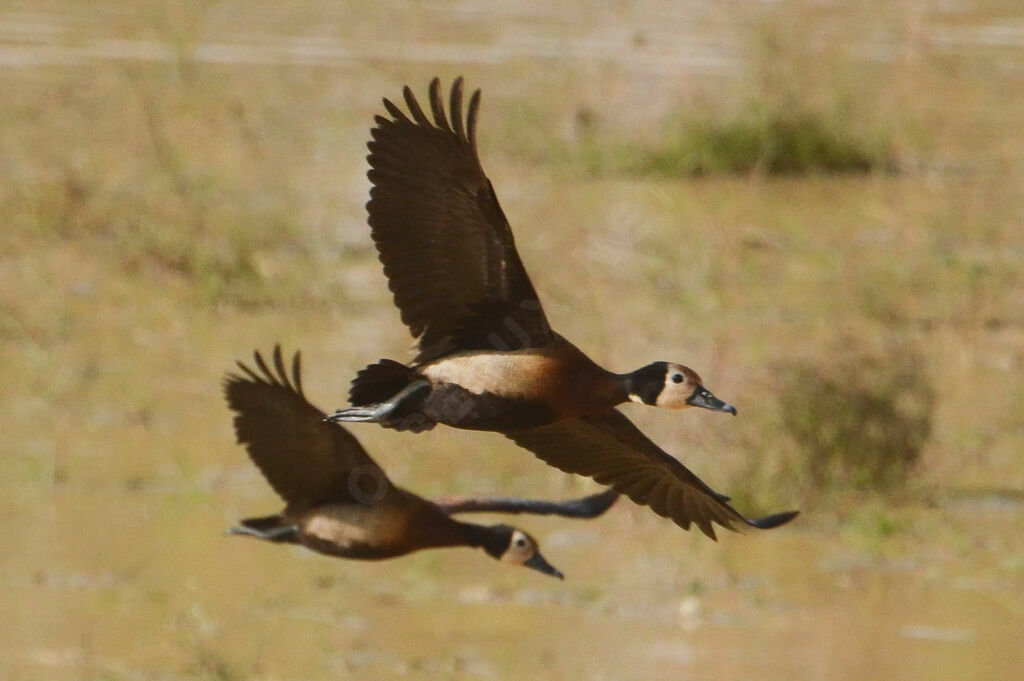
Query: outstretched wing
(304,458)
(610,449)
(445,244)
(584,507)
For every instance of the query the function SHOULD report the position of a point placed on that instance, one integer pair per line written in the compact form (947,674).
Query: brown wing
(584,507)
(446,246)
(305,459)
(610,449)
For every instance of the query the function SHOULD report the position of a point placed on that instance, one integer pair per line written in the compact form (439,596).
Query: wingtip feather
(455,107)
(471,114)
(771,521)
(414,107)
(396,114)
(437,106)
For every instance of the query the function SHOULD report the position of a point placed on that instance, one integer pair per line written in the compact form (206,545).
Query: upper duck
(488,359)
(340,503)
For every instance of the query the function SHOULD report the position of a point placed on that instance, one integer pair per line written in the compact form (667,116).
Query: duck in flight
(487,357)
(340,503)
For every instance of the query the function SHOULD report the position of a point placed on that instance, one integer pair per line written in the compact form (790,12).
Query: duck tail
(270,528)
(378,382)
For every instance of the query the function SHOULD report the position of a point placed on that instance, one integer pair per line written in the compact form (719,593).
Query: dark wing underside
(305,459)
(584,507)
(610,449)
(446,246)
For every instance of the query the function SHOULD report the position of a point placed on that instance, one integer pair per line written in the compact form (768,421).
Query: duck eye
(520,542)
(677,378)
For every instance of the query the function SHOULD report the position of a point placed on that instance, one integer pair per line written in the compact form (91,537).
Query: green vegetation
(861,422)
(760,141)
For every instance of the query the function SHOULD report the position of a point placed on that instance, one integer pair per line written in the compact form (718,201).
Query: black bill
(702,397)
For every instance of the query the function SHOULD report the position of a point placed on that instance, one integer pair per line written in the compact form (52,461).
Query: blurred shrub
(777,142)
(770,141)
(860,422)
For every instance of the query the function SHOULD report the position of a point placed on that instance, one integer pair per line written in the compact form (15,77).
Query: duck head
(511,545)
(672,386)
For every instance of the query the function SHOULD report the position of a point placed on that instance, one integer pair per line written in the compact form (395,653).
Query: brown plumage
(445,244)
(339,502)
(610,449)
(488,359)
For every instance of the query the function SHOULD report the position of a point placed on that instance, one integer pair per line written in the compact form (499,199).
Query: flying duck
(487,357)
(340,503)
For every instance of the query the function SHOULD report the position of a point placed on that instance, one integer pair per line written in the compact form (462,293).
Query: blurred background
(817,205)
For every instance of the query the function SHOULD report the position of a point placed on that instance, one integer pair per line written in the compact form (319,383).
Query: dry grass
(171,211)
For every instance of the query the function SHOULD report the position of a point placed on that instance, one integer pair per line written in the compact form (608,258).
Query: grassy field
(183,183)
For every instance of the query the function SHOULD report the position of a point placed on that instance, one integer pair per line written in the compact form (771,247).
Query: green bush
(860,422)
(767,141)
(775,144)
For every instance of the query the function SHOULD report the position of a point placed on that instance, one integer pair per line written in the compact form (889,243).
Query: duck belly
(455,406)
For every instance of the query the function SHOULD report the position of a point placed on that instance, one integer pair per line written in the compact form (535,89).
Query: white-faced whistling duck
(488,360)
(340,503)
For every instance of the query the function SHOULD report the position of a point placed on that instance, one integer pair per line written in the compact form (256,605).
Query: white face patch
(680,382)
(636,398)
(520,548)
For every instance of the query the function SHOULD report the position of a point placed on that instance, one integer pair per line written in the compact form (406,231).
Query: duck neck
(482,537)
(643,385)
(632,387)
(625,386)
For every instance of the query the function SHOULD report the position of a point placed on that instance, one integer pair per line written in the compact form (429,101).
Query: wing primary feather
(455,104)
(474,107)
(414,106)
(774,520)
(396,113)
(269,377)
(282,373)
(297,373)
(437,106)
(246,370)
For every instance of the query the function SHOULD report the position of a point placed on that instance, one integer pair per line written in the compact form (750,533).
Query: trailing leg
(268,528)
(398,411)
